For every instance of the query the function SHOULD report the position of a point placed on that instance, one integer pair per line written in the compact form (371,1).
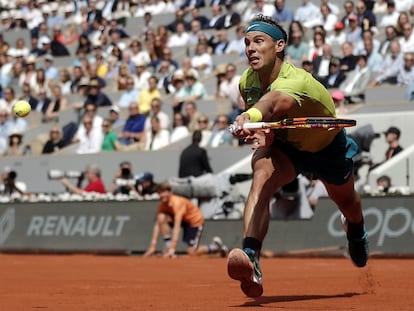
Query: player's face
(260,50)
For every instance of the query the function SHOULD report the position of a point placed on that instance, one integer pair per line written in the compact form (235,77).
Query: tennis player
(272,90)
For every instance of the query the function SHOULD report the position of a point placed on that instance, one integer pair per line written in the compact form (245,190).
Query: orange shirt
(179,205)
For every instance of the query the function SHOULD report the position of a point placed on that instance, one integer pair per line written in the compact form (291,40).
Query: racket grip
(254,125)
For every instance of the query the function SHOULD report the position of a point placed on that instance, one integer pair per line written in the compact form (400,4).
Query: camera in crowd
(59,174)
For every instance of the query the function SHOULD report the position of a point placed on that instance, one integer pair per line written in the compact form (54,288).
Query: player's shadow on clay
(274,299)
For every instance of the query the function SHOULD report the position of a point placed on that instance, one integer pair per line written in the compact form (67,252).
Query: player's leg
(349,203)
(272,168)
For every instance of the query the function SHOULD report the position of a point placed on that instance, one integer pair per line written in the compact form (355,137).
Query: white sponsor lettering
(380,225)
(84,226)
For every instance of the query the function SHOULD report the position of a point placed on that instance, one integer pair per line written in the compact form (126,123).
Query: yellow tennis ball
(21,108)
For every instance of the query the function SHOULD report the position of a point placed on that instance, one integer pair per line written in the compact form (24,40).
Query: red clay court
(98,282)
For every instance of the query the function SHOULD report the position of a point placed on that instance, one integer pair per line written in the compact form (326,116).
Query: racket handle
(254,125)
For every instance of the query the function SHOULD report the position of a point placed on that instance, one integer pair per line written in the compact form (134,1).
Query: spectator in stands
(141,75)
(353,35)
(6,127)
(192,91)
(220,135)
(122,77)
(335,76)
(130,94)
(283,14)
(367,35)
(188,5)
(43,102)
(138,53)
(110,140)
(65,81)
(96,96)
(297,50)
(8,99)
(306,12)
(18,23)
(384,183)
(195,32)
(15,144)
(220,42)
(236,46)
(374,59)
(55,18)
(192,114)
(201,19)
(258,7)
(133,130)
(147,95)
(5,21)
(194,159)
(229,87)
(94,73)
(40,83)
(179,17)
(156,111)
(29,74)
(204,127)
(90,110)
(316,45)
(156,137)
(177,83)
(51,72)
(403,18)
(322,62)
(407,39)
(84,44)
(202,60)
(338,37)
(56,106)
(395,64)
(94,14)
(166,57)
(348,60)
(90,139)
(230,18)
(114,116)
(55,141)
(92,174)
(366,18)
(179,127)
(180,37)
(348,10)
(390,35)
(27,96)
(356,82)
(20,48)
(390,18)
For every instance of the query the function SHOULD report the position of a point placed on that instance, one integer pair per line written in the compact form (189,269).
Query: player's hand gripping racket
(297,123)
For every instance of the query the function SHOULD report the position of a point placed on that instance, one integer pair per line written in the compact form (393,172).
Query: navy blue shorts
(191,235)
(332,164)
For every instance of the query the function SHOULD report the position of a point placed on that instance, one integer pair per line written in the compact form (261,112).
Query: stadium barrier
(126,227)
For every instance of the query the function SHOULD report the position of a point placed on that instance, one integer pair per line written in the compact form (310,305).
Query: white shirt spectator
(89,143)
(203,59)
(160,140)
(307,12)
(389,19)
(178,39)
(179,132)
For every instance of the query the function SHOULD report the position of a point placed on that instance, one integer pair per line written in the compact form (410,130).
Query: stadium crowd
(138,74)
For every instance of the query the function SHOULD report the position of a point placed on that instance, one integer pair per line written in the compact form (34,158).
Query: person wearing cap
(353,35)
(338,36)
(145,184)
(51,72)
(339,102)
(15,144)
(114,116)
(273,89)
(141,74)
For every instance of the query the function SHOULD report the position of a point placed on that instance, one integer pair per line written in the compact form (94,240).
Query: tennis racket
(297,123)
